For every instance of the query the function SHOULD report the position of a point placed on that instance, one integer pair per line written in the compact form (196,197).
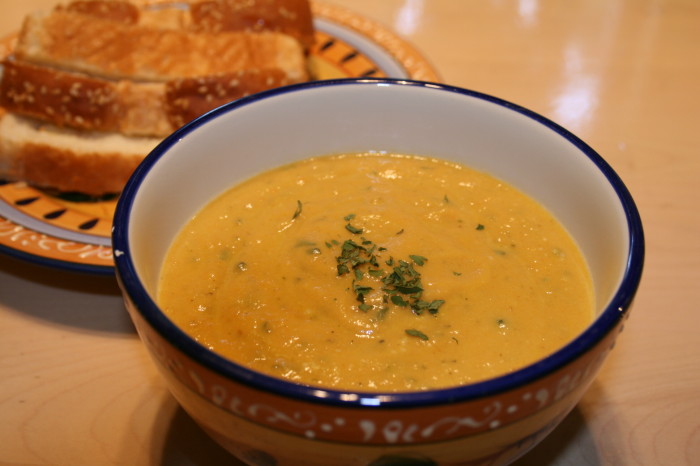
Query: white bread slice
(47,156)
(79,101)
(112,50)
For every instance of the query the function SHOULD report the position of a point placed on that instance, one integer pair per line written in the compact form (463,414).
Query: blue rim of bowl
(604,323)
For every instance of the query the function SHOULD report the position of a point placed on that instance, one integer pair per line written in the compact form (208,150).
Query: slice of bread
(291,17)
(188,98)
(114,50)
(92,86)
(80,101)
(115,10)
(45,155)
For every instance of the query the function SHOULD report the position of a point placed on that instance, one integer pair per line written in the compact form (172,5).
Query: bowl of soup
(377,272)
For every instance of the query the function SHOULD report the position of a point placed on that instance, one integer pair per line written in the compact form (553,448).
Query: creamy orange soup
(377,272)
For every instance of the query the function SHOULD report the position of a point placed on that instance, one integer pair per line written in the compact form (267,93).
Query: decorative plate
(70,231)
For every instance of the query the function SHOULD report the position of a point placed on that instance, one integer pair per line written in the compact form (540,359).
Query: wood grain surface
(77,387)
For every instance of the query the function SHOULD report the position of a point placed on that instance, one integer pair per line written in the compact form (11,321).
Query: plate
(72,232)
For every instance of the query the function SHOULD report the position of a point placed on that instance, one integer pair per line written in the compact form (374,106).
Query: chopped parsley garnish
(353,255)
(416,333)
(298,211)
(361,291)
(480,227)
(400,283)
(399,301)
(353,230)
(420,260)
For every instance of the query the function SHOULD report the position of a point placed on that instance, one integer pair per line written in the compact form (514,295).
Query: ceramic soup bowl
(267,421)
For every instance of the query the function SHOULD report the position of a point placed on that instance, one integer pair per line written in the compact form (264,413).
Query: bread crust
(111,50)
(188,98)
(114,10)
(95,173)
(292,17)
(67,99)
(51,157)
(82,102)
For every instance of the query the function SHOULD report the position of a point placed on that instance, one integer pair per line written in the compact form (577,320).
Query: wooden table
(77,388)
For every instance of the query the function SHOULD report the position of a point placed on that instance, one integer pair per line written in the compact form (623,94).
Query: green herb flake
(435,305)
(399,301)
(349,217)
(416,333)
(408,289)
(298,211)
(419,260)
(381,313)
(353,230)
(432,307)
(480,227)
(361,291)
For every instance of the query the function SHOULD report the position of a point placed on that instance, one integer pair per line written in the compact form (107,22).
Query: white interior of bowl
(338,118)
